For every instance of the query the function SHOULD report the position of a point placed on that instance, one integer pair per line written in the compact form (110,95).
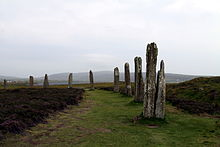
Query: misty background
(45,36)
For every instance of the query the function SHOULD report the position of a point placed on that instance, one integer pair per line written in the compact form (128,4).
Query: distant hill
(10,78)
(176,78)
(107,76)
(100,76)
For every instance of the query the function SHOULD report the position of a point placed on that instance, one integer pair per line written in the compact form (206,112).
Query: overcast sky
(53,36)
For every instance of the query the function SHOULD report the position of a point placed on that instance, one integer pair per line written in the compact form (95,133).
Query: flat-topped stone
(116,79)
(127,80)
(70,80)
(138,80)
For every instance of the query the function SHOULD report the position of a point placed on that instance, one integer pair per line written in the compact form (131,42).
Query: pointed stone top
(162,67)
(70,75)
(116,68)
(45,77)
(162,64)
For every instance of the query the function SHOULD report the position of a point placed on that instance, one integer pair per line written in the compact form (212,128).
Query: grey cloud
(56,35)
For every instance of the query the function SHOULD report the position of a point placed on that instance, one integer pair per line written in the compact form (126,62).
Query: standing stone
(5,84)
(91,80)
(135,76)
(46,82)
(31,81)
(139,83)
(70,80)
(116,79)
(161,93)
(127,80)
(150,93)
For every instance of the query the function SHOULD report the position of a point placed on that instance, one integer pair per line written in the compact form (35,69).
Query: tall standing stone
(31,81)
(127,80)
(135,76)
(161,93)
(46,82)
(150,93)
(116,79)
(5,84)
(91,80)
(138,79)
(70,80)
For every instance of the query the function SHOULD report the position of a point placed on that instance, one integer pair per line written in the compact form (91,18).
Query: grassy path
(104,119)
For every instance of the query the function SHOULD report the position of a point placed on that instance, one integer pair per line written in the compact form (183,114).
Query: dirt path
(104,119)
(60,123)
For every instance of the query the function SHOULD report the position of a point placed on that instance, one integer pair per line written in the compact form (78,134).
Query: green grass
(104,119)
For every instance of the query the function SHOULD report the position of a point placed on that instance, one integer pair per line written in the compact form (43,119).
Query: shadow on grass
(133,103)
(155,121)
(149,122)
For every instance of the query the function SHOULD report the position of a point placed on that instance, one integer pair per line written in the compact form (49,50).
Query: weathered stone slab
(139,83)
(70,80)
(150,93)
(127,80)
(31,81)
(91,80)
(46,82)
(161,93)
(116,79)
(5,84)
